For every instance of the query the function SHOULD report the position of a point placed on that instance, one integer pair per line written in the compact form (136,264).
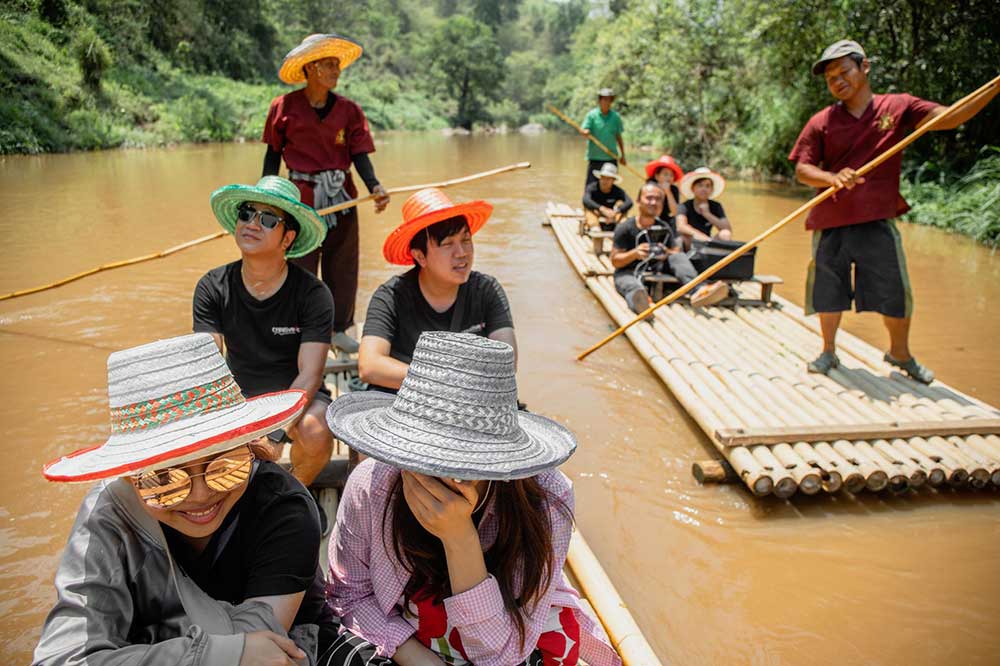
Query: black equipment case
(709,252)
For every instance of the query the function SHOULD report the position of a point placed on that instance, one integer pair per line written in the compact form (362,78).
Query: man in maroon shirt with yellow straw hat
(855,227)
(320,134)
(440,293)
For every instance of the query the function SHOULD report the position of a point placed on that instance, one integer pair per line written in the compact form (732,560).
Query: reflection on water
(712,574)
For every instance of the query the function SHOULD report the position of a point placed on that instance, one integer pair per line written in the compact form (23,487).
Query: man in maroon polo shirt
(855,226)
(320,135)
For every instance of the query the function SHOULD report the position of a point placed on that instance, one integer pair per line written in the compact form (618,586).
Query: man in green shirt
(606,126)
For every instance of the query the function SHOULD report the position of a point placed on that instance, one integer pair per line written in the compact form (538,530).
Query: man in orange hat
(440,293)
(320,135)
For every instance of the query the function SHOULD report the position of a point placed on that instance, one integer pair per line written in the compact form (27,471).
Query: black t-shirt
(267,545)
(696,220)
(594,198)
(263,337)
(399,313)
(628,235)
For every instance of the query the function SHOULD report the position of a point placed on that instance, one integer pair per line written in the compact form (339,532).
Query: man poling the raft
(605,125)
(320,134)
(855,228)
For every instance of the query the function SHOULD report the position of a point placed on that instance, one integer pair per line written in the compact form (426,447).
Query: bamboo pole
(714,471)
(625,634)
(220,234)
(823,196)
(596,142)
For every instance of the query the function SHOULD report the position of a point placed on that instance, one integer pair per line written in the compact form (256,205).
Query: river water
(712,574)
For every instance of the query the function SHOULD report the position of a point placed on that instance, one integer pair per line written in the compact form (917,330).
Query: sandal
(824,363)
(915,370)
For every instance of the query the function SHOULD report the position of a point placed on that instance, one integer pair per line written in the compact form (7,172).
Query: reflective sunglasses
(168,487)
(247,212)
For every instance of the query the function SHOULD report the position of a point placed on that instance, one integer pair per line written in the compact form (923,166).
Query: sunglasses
(168,487)
(247,212)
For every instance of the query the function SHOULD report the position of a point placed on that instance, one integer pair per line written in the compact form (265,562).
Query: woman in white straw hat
(700,215)
(451,537)
(320,135)
(188,550)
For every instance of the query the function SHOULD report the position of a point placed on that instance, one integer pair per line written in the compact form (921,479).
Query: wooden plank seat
(657,284)
(597,237)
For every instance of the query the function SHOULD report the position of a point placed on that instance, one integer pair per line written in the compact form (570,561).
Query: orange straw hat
(317,47)
(664,162)
(424,208)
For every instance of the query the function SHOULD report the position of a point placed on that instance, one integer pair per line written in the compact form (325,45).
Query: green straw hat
(283,195)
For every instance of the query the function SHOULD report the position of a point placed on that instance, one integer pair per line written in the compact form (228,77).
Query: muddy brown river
(712,574)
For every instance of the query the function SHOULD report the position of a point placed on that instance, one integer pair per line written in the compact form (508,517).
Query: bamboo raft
(740,373)
(583,570)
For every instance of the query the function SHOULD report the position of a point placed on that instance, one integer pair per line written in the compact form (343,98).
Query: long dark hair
(521,554)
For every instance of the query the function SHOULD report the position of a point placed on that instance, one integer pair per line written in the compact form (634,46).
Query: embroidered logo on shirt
(286,330)
(886,122)
(339,140)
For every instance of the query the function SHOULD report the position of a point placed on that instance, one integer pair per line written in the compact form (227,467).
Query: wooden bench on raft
(657,284)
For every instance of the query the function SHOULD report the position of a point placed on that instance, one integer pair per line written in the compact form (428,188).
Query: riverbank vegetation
(719,83)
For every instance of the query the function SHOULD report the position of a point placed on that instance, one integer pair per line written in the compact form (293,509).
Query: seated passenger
(273,318)
(699,214)
(189,550)
(440,293)
(646,243)
(665,172)
(452,535)
(604,203)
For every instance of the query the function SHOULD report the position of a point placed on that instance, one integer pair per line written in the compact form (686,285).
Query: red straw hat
(664,162)
(421,210)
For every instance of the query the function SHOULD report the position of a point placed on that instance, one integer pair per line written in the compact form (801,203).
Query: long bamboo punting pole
(823,196)
(622,629)
(597,143)
(220,234)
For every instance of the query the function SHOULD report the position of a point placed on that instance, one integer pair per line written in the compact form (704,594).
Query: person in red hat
(440,293)
(666,172)
(320,135)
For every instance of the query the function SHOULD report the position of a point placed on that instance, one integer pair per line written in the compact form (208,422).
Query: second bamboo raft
(740,373)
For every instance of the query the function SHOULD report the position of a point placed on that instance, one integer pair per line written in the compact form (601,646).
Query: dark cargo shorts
(875,252)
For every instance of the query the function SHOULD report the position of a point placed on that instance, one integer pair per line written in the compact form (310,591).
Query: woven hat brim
(396,248)
(690,177)
(183,440)
(597,174)
(312,229)
(362,420)
(673,166)
(343,49)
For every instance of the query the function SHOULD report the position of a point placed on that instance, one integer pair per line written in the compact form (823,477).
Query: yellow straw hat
(317,47)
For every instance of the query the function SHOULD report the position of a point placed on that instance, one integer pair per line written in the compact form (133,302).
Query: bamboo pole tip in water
(833,482)
(785,487)
(877,481)
(714,471)
(958,477)
(995,478)
(810,484)
(761,486)
(936,477)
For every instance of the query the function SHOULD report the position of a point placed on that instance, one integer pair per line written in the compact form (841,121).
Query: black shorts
(875,251)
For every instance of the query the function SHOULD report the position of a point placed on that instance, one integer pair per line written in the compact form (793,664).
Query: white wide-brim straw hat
(173,401)
(607,169)
(455,416)
(317,47)
(701,172)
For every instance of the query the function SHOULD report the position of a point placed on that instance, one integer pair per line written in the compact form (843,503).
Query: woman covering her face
(450,540)
(189,550)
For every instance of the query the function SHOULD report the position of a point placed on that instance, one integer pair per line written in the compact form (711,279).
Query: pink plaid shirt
(366,580)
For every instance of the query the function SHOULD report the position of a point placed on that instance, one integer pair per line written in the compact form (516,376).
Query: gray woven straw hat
(455,416)
(837,50)
(606,92)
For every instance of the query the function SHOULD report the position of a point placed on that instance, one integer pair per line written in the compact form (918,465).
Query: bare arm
(621,258)
(506,335)
(621,148)
(812,175)
(376,366)
(413,653)
(685,229)
(720,223)
(219,341)
(285,606)
(965,114)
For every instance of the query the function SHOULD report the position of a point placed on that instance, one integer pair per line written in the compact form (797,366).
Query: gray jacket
(120,599)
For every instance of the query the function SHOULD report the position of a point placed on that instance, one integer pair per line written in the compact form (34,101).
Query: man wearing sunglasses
(273,318)
(188,550)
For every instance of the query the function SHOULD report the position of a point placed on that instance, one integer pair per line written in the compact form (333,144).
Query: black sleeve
(363,165)
(497,307)
(623,239)
(381,319)
(285,550)
(207,304)
(626,202)
(272,162)
(588,197)
(682,209)
(316,319)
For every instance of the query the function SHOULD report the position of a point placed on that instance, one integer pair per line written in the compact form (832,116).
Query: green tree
(465,64)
